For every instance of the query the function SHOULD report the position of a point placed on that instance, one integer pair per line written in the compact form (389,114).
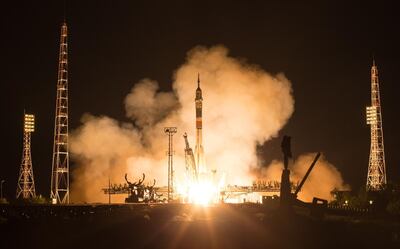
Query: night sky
(325,50)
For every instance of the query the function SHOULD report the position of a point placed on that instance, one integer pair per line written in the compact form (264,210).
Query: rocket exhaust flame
(203,191)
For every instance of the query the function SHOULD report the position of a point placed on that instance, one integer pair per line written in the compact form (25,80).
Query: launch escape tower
(376,178)
(60,166)
(199,151)
(170,131)
(26,182)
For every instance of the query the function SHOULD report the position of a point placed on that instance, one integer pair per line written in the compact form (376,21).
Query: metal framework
(264,187)
(170,131)
(60,164)
(26,182)
(376,178)
(191,169)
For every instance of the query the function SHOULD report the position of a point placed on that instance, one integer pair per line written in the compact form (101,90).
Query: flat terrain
(187,226)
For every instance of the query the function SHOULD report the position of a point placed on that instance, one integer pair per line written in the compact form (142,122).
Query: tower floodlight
(26,182)
(29,123)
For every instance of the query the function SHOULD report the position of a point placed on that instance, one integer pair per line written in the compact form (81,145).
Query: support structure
(26,182)
(60,165)
(191,169)
(170,131)
(285,192)
(376,178)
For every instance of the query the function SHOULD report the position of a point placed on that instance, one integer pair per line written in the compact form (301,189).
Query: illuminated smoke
(322,180)
(243,105)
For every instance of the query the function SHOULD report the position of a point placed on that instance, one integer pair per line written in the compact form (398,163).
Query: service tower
(199,151)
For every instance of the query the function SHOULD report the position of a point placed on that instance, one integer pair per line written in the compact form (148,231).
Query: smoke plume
(321,181)
(243,105)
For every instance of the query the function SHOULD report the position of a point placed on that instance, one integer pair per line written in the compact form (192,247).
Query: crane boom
(189,159)
(307,174)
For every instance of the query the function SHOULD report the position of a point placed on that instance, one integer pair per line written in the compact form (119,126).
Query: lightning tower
(26,182)
(60,165)
(199,151)
(376,178)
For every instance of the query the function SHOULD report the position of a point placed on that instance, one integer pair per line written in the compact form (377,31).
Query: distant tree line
(385,201)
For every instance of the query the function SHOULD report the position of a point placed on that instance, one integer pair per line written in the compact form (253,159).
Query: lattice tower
(26,182)
(170,131)
(60,165)
(376,178)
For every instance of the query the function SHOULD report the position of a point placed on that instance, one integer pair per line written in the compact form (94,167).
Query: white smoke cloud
(146,106)
(243,105)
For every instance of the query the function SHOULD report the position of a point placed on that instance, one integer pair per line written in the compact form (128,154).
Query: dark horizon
(325,50)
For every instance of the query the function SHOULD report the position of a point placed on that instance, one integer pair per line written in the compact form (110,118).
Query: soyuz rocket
(199,151)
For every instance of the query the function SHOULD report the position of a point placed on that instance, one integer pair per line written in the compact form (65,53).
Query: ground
(187,226)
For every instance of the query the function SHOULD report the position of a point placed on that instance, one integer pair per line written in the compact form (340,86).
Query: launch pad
(229,194)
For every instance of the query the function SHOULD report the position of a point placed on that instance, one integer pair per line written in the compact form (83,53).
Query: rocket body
(199,151)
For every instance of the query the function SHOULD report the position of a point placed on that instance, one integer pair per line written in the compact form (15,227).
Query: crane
(190,162)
